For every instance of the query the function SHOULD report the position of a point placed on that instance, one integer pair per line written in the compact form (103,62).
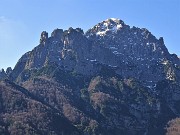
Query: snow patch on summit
(114,19)
(109,25)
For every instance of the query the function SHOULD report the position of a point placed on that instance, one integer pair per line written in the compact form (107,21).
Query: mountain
(112,79)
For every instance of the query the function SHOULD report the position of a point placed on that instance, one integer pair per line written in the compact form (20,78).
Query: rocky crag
(112,79)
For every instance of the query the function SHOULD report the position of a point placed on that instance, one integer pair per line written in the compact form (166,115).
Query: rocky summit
(111,80)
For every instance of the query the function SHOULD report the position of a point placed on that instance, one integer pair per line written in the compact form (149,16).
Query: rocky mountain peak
(2,70)
(57,33)
(5,74)
(112,79)
(111,25)
(44,37)
(133,52)
(2,74)
(9,70)
(71,31)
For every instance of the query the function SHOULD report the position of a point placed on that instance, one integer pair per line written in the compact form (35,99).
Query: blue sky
(22,21)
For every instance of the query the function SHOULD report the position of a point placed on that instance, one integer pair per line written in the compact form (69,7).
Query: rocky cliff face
(137,53)
(133,52)
(5,74)
(110,79)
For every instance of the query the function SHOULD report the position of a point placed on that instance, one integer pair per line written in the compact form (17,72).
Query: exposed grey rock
(133,52)
(3,74)
(44,37)
(57,33)
(130,81)
(8,70)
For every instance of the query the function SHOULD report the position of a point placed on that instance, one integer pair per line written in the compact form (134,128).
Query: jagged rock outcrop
(8,71)
(44,37)
(2,74)
(133,52)
(5,74)
(111,79)
(70,50)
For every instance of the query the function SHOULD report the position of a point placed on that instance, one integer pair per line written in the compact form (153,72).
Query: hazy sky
(22,21)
